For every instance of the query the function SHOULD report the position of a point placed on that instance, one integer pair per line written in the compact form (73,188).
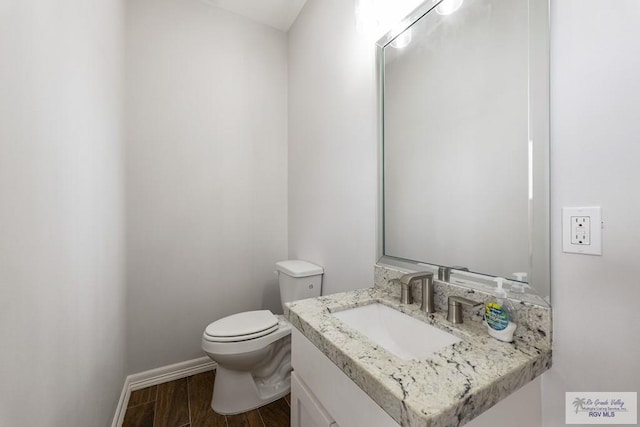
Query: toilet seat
(212,345)
(243,326)
(242,337)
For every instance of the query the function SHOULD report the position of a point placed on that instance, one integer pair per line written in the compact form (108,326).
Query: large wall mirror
(465,142)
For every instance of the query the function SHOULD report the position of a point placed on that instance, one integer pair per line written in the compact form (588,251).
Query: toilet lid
(241,337)
(242,326)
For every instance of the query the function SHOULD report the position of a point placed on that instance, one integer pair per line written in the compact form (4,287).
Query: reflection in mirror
(465,140)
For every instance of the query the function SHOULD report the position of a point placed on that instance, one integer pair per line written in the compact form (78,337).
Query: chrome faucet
(427,289)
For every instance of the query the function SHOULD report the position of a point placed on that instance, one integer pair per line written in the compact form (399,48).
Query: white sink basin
(402,335)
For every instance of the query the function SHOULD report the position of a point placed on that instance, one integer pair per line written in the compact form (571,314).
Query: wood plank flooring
(187,403)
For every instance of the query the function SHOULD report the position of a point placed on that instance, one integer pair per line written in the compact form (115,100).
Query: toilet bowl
(253,348)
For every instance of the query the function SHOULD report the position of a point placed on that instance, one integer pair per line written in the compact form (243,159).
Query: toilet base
(240,390)
(235,392)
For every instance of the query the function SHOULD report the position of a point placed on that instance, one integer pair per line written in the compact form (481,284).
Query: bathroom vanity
(343,378)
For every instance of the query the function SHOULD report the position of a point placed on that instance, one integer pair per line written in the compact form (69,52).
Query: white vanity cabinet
(322,395)
(306,411)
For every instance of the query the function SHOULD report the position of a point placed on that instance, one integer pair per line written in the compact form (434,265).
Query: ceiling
(278,14)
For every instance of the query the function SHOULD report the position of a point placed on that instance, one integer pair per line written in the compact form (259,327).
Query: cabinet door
(348,405)
(306,411)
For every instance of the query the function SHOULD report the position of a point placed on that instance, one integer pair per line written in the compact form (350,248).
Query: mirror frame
(539,117)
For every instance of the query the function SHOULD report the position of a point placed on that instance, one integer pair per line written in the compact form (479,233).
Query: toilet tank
(298,280)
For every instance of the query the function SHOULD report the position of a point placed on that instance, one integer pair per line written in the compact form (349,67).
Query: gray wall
(332,145)
(62,313)
(206,171)
(594,152)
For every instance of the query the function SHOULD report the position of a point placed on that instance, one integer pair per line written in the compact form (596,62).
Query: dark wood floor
(187,403)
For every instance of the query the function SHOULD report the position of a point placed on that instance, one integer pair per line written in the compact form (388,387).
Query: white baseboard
(118,418)
(157,376)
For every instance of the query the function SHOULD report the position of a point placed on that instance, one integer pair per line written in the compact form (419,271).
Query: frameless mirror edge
(407,22)
(539,72)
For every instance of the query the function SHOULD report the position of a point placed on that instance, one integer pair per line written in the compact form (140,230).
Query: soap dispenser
(499,315)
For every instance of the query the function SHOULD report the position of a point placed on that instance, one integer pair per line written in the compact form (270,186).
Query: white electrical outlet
(582,230)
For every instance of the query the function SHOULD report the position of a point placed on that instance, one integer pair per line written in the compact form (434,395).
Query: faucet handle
(454,312)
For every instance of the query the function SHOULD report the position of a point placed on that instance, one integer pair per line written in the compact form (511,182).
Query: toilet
(253,348)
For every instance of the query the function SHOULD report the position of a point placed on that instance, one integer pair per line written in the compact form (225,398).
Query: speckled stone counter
(449,388)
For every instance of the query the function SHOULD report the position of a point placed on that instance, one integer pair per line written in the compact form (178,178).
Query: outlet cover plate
(573,235)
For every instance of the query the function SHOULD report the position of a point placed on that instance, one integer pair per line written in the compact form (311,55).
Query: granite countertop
(449,388)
